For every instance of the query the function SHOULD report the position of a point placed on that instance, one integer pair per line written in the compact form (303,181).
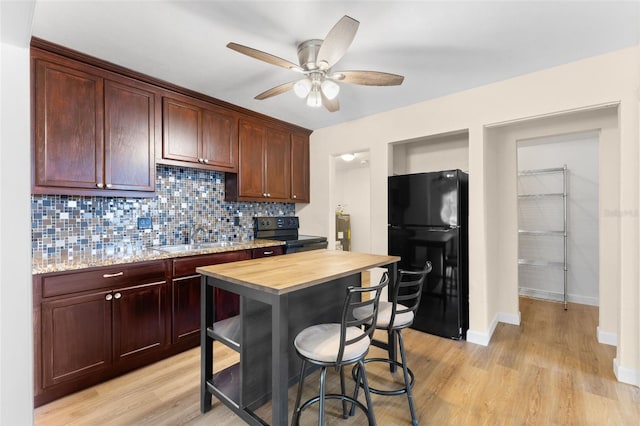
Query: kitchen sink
(181,248)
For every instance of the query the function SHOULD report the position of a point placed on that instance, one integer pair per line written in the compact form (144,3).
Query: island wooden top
(295,271)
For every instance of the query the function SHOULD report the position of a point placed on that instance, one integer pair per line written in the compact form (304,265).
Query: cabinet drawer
(268,251)
(118,275)
(188,265)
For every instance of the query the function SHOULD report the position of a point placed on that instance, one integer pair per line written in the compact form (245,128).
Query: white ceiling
(440,47)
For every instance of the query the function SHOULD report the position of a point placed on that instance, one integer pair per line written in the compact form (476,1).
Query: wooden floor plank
(550,370)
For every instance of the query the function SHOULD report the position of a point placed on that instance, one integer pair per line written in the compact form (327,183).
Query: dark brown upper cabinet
(273,164)
(100,129)
(300,168)
(198,134)
(94,132)
(264,169)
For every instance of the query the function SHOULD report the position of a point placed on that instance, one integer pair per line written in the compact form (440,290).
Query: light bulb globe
(302,88)
(314,99)
(330,89)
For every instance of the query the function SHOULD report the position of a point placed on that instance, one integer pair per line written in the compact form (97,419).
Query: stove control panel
(280,222)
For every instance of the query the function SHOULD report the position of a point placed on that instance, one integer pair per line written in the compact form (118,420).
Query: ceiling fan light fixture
(317,58)
(315,98)
(302,88)
(330,88)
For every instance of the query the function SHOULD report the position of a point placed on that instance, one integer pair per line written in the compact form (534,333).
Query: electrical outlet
(144,223)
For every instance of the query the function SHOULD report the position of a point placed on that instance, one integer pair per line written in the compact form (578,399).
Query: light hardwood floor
(548,371)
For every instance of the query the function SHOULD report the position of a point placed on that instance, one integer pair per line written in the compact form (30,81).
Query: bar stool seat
(394,317)
(339,344)
(322,343)
(385,310)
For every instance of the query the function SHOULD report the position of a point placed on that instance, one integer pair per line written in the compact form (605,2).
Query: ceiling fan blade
(263,56)
(332,105)
(275,90)
(337,42)
(368,78)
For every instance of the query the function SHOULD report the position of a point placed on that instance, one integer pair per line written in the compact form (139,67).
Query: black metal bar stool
(337,345)
(394,316)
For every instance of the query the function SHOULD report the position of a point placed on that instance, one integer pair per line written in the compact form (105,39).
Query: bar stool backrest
(407,291)
(355,301)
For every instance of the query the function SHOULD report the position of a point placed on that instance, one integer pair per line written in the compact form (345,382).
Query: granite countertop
(135,254)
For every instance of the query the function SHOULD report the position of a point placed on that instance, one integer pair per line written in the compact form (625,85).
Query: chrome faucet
(195,231)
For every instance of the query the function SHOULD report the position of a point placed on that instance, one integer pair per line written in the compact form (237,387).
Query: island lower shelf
(227,331)
(226,384)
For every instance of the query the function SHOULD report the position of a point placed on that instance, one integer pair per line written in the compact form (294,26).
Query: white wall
(580,153)
(432,154)
(607,79)
(16,330)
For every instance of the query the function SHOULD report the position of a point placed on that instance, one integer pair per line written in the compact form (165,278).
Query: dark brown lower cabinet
(76,336)
(186,295)
(94,324)
(186,300)
(139,325)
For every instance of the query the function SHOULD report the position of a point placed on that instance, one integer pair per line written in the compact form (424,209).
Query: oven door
(296,246)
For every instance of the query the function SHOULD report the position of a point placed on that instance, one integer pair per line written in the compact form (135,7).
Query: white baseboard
(626,375)
(478,337)
(508,318)
(607,338)
(558,297)
(483,338)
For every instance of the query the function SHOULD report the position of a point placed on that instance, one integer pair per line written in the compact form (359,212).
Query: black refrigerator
(428,220)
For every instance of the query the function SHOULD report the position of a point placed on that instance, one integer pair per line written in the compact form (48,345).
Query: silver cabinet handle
(108,296)
(109,186)
(117,274)
(99,185)
(117,295)
(267,253)
(295,196)
(264,194)
(206,161)
(268,195)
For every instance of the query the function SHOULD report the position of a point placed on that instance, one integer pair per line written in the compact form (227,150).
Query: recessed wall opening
(352,198)
(558,217)
(588,141)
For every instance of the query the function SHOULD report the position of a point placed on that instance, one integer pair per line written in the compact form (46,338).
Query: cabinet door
(250,168)
(68,123)
(186,308)
(181,134)
(129,137)
(76,334)
(219,140)
(300,168)
(277,160)
(138,320)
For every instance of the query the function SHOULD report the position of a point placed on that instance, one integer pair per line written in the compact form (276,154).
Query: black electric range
(285,228)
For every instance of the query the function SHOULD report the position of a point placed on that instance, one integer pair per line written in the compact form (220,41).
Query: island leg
(279,361)
(206,344)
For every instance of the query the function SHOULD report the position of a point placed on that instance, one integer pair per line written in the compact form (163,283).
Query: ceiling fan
(319,84)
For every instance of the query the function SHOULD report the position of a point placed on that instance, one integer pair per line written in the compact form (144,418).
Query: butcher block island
(279,296)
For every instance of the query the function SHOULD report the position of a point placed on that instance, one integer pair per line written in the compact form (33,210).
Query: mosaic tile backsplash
(65,225)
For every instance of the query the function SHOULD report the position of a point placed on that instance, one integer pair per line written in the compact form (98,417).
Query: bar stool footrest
(390,392)
(316,399)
